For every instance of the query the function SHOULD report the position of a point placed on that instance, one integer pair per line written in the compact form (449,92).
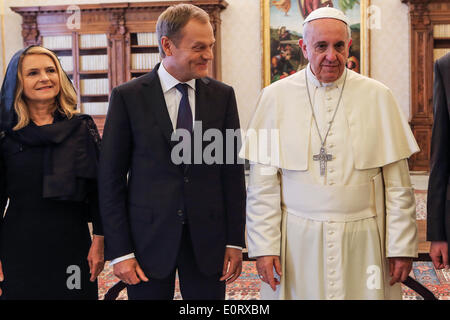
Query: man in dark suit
(438,203)
(169,216)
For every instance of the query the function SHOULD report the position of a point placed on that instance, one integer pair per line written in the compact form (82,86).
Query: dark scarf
(70,156)
(71,149)
(8,115)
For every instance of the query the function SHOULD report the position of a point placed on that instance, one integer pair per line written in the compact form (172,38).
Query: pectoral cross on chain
(323,157)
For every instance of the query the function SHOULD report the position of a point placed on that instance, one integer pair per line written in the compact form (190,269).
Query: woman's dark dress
(40,239)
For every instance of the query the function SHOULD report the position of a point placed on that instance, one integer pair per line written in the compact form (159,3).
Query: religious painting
(283,27)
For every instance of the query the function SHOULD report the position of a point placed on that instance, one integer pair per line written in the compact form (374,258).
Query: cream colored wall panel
(242,53)
(13,30)
(390,50)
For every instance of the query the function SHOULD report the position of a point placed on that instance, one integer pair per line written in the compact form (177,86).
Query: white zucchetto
(327,12)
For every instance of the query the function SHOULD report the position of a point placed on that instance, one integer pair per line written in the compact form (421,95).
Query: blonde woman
(48,170)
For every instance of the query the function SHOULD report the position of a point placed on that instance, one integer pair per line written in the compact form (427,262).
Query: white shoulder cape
(279,132)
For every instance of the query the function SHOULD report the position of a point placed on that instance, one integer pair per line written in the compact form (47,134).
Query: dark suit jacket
(438,203)
(144,214)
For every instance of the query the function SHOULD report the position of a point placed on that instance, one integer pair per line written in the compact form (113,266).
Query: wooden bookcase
(430,39)
(104,45)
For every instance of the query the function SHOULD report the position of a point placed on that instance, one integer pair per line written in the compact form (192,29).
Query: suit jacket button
(180,212)
(186,179)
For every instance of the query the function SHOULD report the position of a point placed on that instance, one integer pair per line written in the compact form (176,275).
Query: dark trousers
(194,285)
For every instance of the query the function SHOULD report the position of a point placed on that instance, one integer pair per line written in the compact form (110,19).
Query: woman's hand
(96,257)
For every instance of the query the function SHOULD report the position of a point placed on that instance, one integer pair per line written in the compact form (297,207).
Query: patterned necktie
(184,119)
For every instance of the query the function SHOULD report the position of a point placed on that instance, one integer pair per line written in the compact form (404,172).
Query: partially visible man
(171,216)
(330,208)
(438,209)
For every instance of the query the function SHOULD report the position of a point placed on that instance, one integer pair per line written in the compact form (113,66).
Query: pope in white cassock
(330,207)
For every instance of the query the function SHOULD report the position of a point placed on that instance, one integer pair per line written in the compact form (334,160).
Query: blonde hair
(66,100)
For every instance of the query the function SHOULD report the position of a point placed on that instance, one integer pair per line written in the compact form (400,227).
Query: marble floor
(419,181)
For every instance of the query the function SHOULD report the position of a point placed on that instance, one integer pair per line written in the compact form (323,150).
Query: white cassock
(334,232)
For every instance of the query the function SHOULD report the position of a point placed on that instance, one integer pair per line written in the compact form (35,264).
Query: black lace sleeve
(93,131)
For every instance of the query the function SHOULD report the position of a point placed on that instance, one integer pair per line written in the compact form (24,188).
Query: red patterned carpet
(421,204)
(437,281)
(248,285)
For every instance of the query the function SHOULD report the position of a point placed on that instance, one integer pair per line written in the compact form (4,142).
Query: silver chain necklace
(323,157)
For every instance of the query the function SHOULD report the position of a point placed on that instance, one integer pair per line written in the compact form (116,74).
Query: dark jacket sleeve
(3,197)
(94,210)
(439,165)
(92,187)
(113,169)
(233,177)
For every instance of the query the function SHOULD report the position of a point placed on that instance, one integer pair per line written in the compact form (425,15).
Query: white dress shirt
(172,97)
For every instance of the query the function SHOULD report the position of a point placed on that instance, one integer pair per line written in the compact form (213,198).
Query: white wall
(242,47)
(242,53)
(390,50)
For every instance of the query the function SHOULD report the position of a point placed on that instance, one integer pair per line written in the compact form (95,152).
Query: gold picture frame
(272,26)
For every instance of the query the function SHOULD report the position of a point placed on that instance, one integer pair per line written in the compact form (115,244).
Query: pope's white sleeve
(401,227)
(263,211)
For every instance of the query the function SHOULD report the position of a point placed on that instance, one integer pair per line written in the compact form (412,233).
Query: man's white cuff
(122,258)
(235,247)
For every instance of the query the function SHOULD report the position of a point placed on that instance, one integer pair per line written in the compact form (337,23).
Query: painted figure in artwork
(308,6)
(282,5)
